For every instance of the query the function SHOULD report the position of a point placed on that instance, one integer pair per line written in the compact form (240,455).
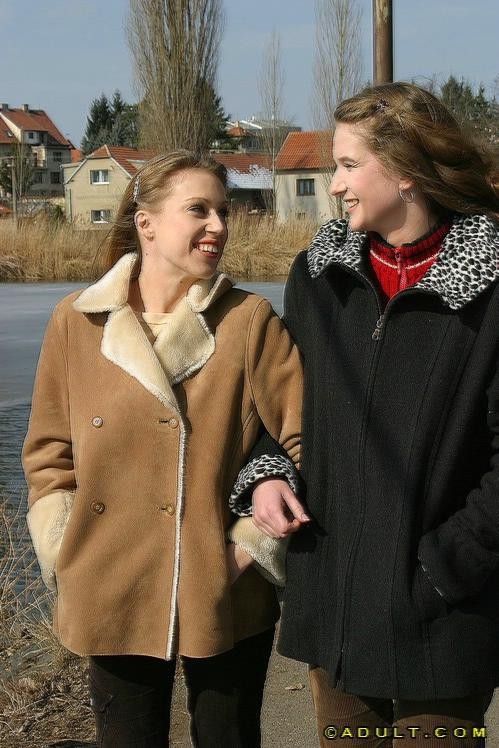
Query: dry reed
(43,691)
(44,250)
(260,247)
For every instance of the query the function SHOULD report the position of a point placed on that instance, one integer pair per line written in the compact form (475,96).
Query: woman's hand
(237,561)
(276,510)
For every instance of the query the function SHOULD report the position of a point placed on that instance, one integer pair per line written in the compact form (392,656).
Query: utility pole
(383,41)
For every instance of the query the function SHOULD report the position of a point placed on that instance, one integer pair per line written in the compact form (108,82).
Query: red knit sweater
(397,268)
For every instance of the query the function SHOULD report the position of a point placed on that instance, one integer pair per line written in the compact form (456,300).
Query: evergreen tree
(110,122)
(118,105)
(472,110)
(125,127)
(98,123)
(215,114)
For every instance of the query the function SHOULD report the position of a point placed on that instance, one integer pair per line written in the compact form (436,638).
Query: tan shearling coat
(130,464)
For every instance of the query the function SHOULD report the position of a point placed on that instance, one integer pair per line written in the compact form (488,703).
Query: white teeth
(208,248)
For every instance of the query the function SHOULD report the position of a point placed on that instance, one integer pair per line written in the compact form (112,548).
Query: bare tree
(270,88)
(338,62)
(175,46)
(17,171)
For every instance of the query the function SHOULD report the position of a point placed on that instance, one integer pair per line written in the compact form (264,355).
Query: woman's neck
(153,292)
(416,221)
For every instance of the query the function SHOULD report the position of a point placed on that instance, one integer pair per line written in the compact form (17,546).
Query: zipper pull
(401,269)
(377,330)
(398,260)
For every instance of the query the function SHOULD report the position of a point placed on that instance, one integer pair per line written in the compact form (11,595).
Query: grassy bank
(41,250)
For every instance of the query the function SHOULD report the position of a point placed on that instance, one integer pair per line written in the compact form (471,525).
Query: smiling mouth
(208,248)
(349,204)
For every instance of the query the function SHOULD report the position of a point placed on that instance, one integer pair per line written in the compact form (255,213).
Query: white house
(304,167)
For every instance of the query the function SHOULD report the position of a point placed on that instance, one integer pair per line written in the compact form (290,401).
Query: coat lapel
(186,342)
(182,348)
(125,344)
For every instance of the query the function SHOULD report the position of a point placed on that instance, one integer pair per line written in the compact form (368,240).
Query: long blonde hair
(150,185)
(414,136)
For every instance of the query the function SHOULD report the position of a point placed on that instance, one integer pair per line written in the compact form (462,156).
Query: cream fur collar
(182,348)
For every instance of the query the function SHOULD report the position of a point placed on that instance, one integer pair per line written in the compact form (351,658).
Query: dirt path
(287,719)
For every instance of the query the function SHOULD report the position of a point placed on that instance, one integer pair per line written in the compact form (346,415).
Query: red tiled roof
(76,155)
(124,156)
(127,156)
(306,150)
(4,129)
(36,120)
(242,161)
(237,132)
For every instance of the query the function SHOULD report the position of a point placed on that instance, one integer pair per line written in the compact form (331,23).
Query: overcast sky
(58,55)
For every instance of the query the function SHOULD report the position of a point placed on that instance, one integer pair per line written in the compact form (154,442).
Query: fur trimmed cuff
(268,554)
(47,520)
(264,466)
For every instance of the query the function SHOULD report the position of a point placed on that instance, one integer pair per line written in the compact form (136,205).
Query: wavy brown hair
(414,136)
(150,185)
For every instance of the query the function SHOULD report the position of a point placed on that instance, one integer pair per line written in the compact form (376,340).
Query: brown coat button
(168,508)
(97,422)
(97,506)
(173,423)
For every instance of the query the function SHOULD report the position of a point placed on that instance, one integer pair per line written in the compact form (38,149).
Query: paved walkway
(288,718)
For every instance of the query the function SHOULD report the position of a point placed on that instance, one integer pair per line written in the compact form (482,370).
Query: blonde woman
(151,389)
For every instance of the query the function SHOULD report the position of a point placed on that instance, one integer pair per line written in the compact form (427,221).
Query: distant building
(44,144)
(304,167)
(252,135)
(93,186)
(249,179)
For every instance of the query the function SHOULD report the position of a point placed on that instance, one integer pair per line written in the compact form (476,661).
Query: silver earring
(407,196)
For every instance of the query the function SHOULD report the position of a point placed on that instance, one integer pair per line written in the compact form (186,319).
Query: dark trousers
(345,719)
(131,697)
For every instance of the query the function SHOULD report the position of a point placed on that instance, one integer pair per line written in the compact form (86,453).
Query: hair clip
(382,105)
(136,189)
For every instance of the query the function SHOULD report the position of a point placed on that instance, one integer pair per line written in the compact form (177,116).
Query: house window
(101,216)
(38,177)
(99,176)
(57,156)
(55,177)
(31,136)
(305,186)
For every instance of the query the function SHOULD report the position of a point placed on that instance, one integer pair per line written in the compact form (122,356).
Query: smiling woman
(392,589)
(151,389)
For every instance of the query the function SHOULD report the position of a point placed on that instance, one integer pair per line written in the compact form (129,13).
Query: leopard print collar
(466,265)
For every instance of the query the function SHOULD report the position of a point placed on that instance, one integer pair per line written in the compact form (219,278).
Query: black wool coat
(394,588)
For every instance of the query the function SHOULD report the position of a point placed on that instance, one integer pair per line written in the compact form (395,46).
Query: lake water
(24,312)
